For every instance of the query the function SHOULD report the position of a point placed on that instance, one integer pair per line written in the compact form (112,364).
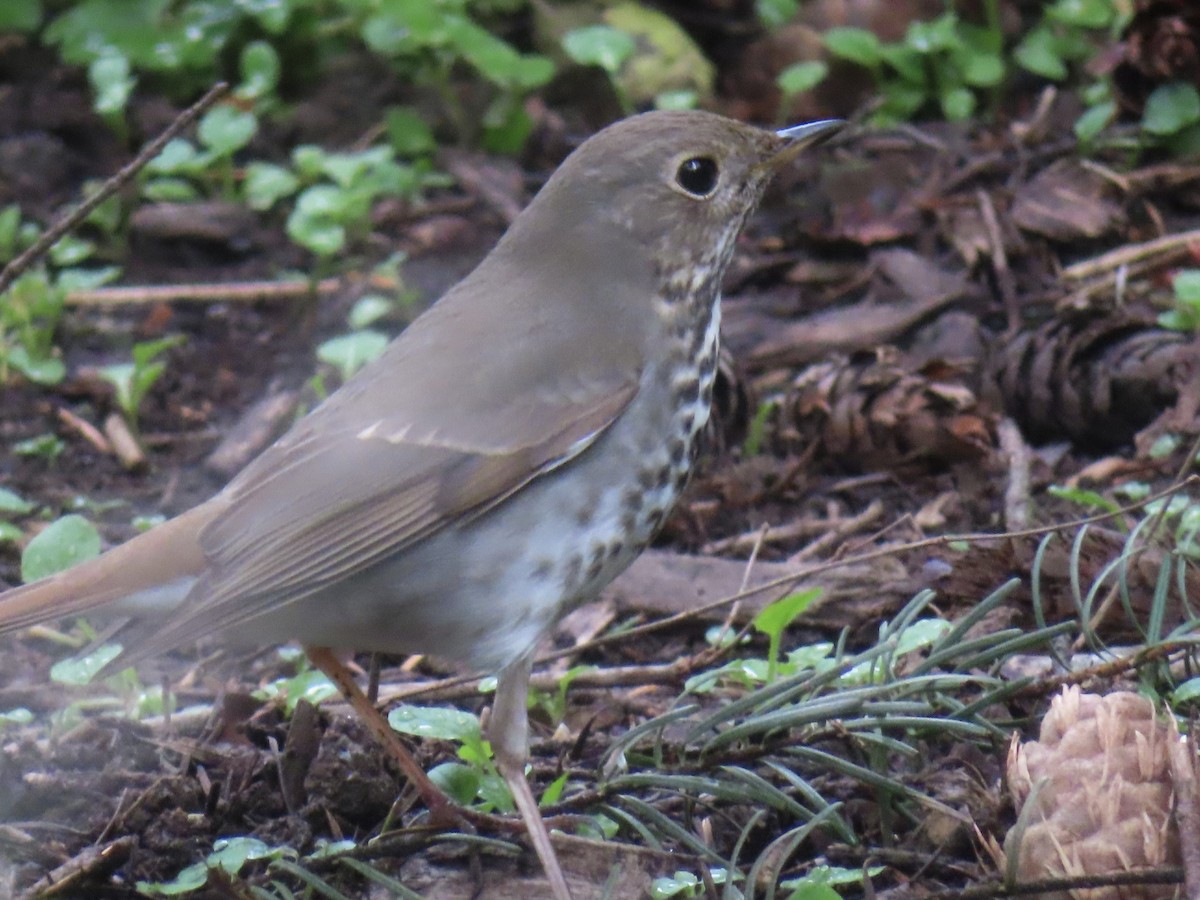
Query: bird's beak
(799,138)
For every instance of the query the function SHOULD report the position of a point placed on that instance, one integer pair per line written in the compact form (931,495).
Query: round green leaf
(1092,122)
(801,77)
(266,184)
(350,352)
(111,80)
(437,722)
(224,129)
(18,716)
(958,103)
(1171,108)
(461,783)
(60,545)
(260,69)
(599,45)
(367,310)
(20,15)
(855,44)
(80,670)
(408,133)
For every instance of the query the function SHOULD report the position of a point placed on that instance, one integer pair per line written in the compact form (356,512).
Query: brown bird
(508,455)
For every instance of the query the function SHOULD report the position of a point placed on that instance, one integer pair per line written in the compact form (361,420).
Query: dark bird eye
(697,176)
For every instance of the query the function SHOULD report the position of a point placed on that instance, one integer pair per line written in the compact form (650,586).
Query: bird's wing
(342,492)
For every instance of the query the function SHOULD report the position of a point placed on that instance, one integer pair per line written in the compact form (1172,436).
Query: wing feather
(261,565)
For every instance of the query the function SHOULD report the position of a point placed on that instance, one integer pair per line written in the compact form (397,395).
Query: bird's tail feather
(144,567)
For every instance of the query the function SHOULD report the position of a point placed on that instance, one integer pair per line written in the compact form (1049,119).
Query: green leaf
(1040,54)
(981,69)
(461,783)
(1095,120)
(801,77)
(179,156)
(1189,690)
(80,670)
(902,100)
(408,133)
(47,446)
(776,616)
(87,279)
(436,722)
(905,60)
(71,251)
(855,44)
(60,545)
(20,15)
(260,70)
(1171,108)
(39,370)
(225,129)
(9,533)
(350,352)
(1164,445)
(774,13)
(681,884)
(1186,285)
(599,45)
(554,790)
(506,126)
(230,854)
(368,310)
(308,160)
(138,28)
(1083,13)
(170,190)
(12,503)
(684,98)
(112,83)
(265,184)
(934,36)
(1083,497)
(958,103)
(190,879)
(10,228)
(322,237)
(1185,144)
(920,634)
(18,716)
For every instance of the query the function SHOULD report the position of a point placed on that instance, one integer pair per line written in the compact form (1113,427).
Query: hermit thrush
(504,459)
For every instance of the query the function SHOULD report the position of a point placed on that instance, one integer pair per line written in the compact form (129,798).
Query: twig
(84,429)
(1130,253)
(1016,492)
(1008,290)
(1164,875)
(840,531)
(240,291)
(69,221)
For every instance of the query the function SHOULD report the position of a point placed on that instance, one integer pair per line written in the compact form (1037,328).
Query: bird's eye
(697,176)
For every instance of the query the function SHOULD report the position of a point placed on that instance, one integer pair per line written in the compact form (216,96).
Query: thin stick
(69,221)
(1132,253)
(239,291)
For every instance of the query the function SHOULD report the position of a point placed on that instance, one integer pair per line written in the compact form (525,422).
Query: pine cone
(1098,782)
(1161,45)
(1094,381)
(872,411)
